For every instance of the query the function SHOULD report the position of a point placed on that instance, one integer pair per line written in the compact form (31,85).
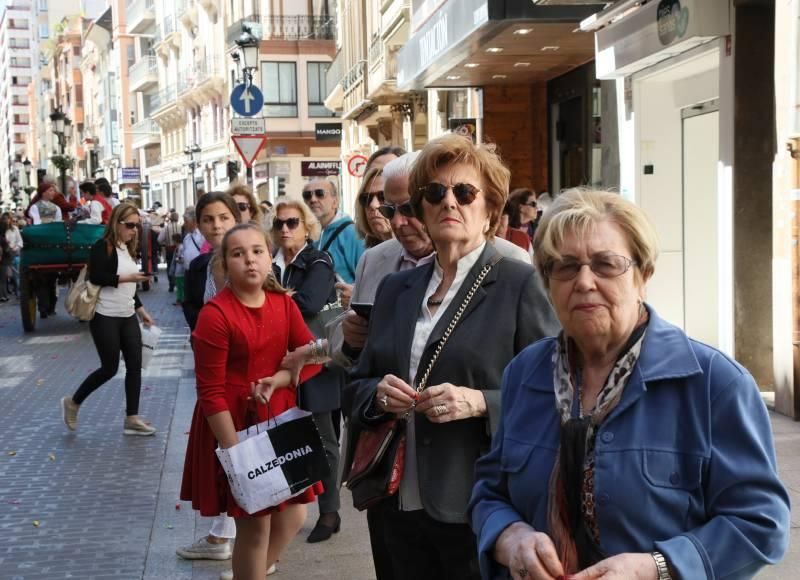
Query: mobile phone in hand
(362,309)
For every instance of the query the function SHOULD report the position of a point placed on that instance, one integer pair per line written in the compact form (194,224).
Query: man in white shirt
(193,240)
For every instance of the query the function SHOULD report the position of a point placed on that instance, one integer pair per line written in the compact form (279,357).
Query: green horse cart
(52,253)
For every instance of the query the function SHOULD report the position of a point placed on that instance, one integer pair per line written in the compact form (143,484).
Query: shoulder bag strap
(335,235)
(423,382)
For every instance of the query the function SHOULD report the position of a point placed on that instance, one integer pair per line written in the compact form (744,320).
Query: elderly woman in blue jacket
(626,449)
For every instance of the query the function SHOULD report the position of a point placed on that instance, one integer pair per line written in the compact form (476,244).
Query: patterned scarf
(575,542)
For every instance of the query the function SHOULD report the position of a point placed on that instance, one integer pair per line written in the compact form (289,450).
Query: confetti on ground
(13,502)
(12,453)
(51,457)
(169,527)
(177,506)
(39,382)
(35,523)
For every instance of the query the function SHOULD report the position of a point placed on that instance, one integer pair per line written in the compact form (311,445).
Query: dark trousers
(45,288)
(329,501)
(170,254)
(422,548)
(112,335)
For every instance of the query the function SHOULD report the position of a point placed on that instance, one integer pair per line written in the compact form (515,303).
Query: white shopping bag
(150,336)
(274,461)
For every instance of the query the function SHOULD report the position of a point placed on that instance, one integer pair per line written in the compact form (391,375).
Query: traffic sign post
(248,126)
(249,146)
(357,165)
(247,100)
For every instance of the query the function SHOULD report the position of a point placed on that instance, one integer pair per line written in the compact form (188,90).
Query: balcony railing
(144,132)
(335,72)
(139,72)
(287,28)
(164,97)
(141,14)
(354,75)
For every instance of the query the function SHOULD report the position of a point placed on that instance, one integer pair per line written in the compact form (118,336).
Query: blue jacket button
(607,437)
(674,478)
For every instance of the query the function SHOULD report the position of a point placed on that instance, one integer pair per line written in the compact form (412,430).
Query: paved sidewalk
(106,505)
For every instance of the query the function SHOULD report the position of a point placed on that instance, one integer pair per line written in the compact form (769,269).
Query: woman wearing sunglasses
(625,449)
(115,326)
(458,190)
(372,225)
(246,202)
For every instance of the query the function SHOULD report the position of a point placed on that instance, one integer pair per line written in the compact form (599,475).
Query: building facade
(16,74)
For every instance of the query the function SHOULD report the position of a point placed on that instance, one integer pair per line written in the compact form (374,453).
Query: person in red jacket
(240,338)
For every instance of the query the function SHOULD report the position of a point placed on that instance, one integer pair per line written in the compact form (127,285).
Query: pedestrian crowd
(486,376)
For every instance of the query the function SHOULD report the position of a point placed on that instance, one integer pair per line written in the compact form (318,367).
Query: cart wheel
(27,302)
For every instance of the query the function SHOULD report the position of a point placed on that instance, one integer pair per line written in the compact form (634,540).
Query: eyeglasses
(604,265)
(130,225)
(291,223)
(365,199)
(434,192)
(388,210)
(244,206)
(319,193)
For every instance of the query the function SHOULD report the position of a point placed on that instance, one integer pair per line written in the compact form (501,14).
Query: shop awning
(477,42)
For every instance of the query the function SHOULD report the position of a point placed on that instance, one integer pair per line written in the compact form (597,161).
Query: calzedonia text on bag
(278,461)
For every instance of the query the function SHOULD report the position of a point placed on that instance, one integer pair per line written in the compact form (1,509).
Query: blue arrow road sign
(247,101)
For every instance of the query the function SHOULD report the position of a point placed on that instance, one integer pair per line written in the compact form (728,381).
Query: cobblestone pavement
(97,505)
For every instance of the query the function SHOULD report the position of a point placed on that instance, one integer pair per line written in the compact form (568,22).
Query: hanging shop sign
(657,31)
(130,175)
(328,131)
(320,168)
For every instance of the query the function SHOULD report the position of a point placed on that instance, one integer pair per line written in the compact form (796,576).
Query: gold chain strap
(467,299)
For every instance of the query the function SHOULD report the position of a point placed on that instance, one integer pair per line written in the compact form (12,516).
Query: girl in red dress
(240,339)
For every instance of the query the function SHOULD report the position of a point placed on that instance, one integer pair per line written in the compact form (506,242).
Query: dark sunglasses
(365,198)
(130,225)
(243,206)
(291,223)
(320,193)
(388,210)
(434,193)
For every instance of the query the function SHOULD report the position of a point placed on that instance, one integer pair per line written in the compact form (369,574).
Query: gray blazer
(508,312)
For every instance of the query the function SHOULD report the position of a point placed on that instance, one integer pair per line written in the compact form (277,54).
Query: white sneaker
(228,574)
(136,426)
(202,549)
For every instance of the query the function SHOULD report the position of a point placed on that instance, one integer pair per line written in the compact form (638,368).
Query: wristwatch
(661,566)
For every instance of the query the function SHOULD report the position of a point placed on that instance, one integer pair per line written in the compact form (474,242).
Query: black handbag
(379,453)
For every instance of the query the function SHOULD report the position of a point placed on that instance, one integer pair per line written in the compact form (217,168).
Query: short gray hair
(189,214)
(332,180)
(400,167)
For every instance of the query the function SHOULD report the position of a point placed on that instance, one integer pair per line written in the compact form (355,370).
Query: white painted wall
(654,129)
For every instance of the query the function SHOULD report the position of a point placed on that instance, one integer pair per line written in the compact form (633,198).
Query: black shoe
(172,289)
(155,279)
(43,315)
(327,525)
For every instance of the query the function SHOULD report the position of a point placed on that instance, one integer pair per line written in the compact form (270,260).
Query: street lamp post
(190,151)
(62,127)
(248,45)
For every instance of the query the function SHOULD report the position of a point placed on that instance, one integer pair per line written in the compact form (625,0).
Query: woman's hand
(345,293)
(394,395)
(444,403)
(295,360)
(528,554)
(147,320)
(263,389)
(622,566)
